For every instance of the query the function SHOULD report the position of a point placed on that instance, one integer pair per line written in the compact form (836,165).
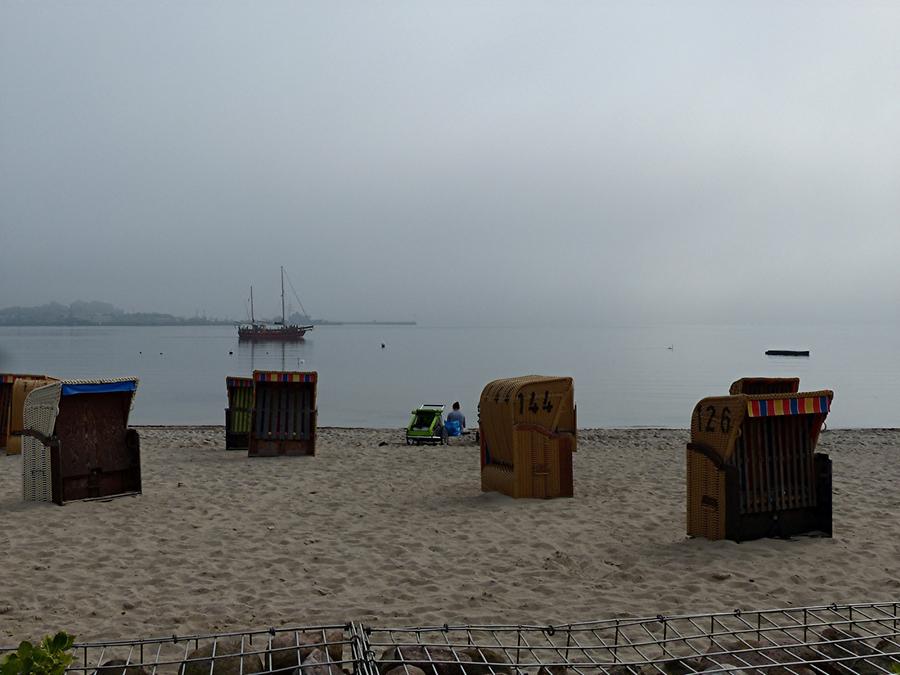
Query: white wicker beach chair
(41,409)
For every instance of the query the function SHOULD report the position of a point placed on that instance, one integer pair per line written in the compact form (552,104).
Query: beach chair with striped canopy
(752,468)
(76,441)
(527,434)
(283,421)
(238,412)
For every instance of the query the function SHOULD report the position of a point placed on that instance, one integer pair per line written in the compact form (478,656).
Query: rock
(481,657)
(854,645)
(119,667)
(553,670)
(286,658)
(405,670)
(318,663)
(228,660)
(416,655)
(767,655)
(681,666)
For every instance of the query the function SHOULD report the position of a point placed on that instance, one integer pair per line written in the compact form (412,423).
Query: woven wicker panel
(716,422)
(705,497)
(40,410)
(498,478)
(22,386)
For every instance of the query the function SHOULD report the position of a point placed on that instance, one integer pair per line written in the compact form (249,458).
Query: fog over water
(455,162)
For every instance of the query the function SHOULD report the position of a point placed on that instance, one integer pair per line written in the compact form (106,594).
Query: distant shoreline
(325,322)
(107,324)
(186,322)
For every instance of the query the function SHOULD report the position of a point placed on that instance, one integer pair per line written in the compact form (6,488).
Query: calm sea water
(623,376)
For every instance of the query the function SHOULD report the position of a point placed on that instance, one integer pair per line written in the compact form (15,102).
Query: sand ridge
(376,531)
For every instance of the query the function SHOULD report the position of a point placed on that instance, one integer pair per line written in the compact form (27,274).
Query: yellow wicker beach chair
(13,391)
(238,412)
(283,421)
(77,444)
(527,432)
(752,469)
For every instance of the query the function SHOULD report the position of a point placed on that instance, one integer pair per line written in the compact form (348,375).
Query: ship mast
(283,322)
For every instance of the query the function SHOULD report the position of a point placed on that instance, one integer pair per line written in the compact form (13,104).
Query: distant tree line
(94,313)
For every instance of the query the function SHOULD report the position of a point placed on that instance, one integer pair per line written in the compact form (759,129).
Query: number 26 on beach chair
(752,468)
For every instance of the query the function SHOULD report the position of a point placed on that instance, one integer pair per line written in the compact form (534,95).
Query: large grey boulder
(289,650)
(119,667)
(485,661)
(226,661)
(426,658)
(405,670)
(318,663)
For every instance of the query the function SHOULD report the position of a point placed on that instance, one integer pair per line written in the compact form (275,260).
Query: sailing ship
(257,331)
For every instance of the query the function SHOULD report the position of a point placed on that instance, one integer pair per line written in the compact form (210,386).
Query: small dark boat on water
(787,352)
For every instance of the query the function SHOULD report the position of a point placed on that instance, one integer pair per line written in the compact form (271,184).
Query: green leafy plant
(895,668)
(50,657)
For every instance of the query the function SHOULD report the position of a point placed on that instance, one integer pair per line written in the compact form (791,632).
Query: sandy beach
(373,530)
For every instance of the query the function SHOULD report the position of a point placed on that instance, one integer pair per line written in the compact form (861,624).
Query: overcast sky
(476,162)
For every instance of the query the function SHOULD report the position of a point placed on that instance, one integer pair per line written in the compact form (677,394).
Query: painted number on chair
(533,404)
(723,421)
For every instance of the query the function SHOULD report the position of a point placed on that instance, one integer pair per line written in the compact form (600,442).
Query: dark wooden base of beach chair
(718,514)
(117,472)
(262,447)
(5,411)
(235,440)
(786,523)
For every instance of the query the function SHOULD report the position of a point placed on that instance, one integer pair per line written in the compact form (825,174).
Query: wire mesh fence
(832,639)
(320,650)
(828,639)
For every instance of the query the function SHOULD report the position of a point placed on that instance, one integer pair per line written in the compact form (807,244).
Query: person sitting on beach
(457,418)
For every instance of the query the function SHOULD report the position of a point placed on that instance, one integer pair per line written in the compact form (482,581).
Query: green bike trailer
(426,425)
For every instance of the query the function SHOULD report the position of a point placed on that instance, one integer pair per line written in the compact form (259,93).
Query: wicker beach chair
(527,432)
(283,420)
(13,390)
(238,412)
(77,444)
(752,468)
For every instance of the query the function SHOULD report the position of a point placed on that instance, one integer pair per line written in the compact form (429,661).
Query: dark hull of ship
(279,334)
